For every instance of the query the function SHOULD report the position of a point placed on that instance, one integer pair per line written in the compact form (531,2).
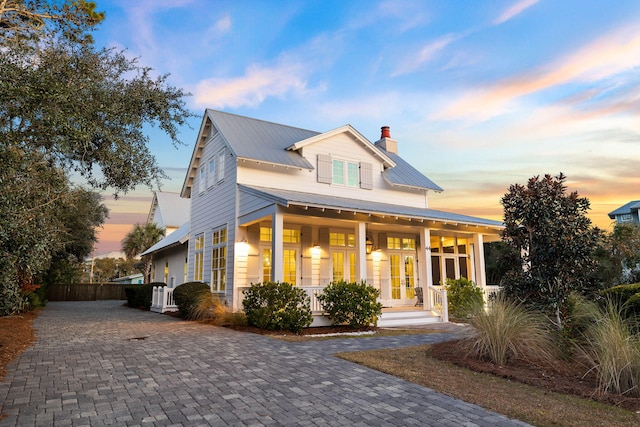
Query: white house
(168,211)
(275,202)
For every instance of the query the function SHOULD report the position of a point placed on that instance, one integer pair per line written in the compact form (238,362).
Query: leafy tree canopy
(551,230)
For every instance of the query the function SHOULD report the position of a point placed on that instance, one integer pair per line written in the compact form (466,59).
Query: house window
(166,272)
(212,173)
(342,239)
(625,218)
(220,166)
(290,235)
(345,173)
(202,179)
(266,264)
(265,234)
(219,259)
(185,270)
(290,263)
(199,259)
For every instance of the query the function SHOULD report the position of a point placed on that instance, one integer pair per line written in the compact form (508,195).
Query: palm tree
(138,240)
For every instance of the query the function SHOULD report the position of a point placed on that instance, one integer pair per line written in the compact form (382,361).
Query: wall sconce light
(242,248)
(315,250)
(369,245)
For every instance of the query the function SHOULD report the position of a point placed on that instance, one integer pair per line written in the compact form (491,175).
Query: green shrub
(354,304)
(507,331)
(464,298)
(186,297)
(611,347)
(621,293)
(140,296)
(277,306)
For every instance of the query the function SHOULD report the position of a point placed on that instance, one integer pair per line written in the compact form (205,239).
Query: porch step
(407,318)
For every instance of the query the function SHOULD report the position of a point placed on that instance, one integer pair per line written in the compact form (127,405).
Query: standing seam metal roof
(287,198)
(260,140)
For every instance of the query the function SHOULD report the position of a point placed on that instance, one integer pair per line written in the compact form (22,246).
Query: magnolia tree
(550,229)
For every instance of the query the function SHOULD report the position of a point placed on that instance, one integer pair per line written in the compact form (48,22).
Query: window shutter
(324,168)
(366,175)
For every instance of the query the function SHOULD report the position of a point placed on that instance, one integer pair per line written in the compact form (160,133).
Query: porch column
(478,249)
(361,254)
(277,250)
(425,275)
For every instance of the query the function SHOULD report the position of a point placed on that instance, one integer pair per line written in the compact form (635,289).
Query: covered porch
(311,240)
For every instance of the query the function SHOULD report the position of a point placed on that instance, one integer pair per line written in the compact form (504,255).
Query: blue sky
(479,94)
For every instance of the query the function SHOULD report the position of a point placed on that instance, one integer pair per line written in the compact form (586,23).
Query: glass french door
(403,269)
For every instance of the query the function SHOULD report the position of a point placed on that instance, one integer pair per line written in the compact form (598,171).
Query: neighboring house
(168,211)
(170,258)
(134,279)
(275,202)
(627,213)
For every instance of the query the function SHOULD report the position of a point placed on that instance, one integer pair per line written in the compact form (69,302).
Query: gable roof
(266,142)
(251,139)
(625,209)
(172,209)
(306,200)
(348,129)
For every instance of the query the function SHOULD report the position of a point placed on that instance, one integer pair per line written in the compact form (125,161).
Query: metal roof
(174,210)
(625,209)
(295,198)
(259,140)
(403,174)
(179,236)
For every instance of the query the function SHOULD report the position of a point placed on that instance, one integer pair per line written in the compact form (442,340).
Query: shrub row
(282,306)
(140,296)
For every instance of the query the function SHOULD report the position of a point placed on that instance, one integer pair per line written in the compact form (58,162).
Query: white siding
(340,146)
(175,257)
(215,207)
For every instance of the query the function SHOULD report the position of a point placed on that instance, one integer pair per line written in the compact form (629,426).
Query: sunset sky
(479,94)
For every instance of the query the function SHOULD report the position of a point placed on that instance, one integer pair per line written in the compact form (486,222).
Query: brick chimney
(385,142)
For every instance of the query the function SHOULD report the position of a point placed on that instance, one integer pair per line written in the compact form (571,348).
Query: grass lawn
(515,400)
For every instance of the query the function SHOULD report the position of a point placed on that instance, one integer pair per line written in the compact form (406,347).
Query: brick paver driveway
(99,363)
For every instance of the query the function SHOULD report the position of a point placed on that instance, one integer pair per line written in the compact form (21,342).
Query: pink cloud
(515,10)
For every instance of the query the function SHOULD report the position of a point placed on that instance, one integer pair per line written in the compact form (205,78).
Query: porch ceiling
(336,208)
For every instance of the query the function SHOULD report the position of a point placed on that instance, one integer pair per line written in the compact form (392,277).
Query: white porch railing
(438,302)
(162,299)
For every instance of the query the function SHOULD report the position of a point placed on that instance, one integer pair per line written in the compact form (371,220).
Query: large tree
(67,107)
(551,231)
(138,240)
(80,215)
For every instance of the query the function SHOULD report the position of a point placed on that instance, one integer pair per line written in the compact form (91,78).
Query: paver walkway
(98,363)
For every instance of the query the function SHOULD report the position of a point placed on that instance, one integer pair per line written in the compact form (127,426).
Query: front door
(402,278)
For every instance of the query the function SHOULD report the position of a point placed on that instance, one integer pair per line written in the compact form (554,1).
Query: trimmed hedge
(140,296)
(351,303)
(186,297)
(277,306)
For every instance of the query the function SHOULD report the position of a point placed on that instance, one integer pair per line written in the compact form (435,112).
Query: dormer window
(344,172)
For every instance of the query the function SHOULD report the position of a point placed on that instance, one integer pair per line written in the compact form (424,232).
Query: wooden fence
(87,291)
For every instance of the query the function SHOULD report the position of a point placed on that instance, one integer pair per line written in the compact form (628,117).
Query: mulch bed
(565,377)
